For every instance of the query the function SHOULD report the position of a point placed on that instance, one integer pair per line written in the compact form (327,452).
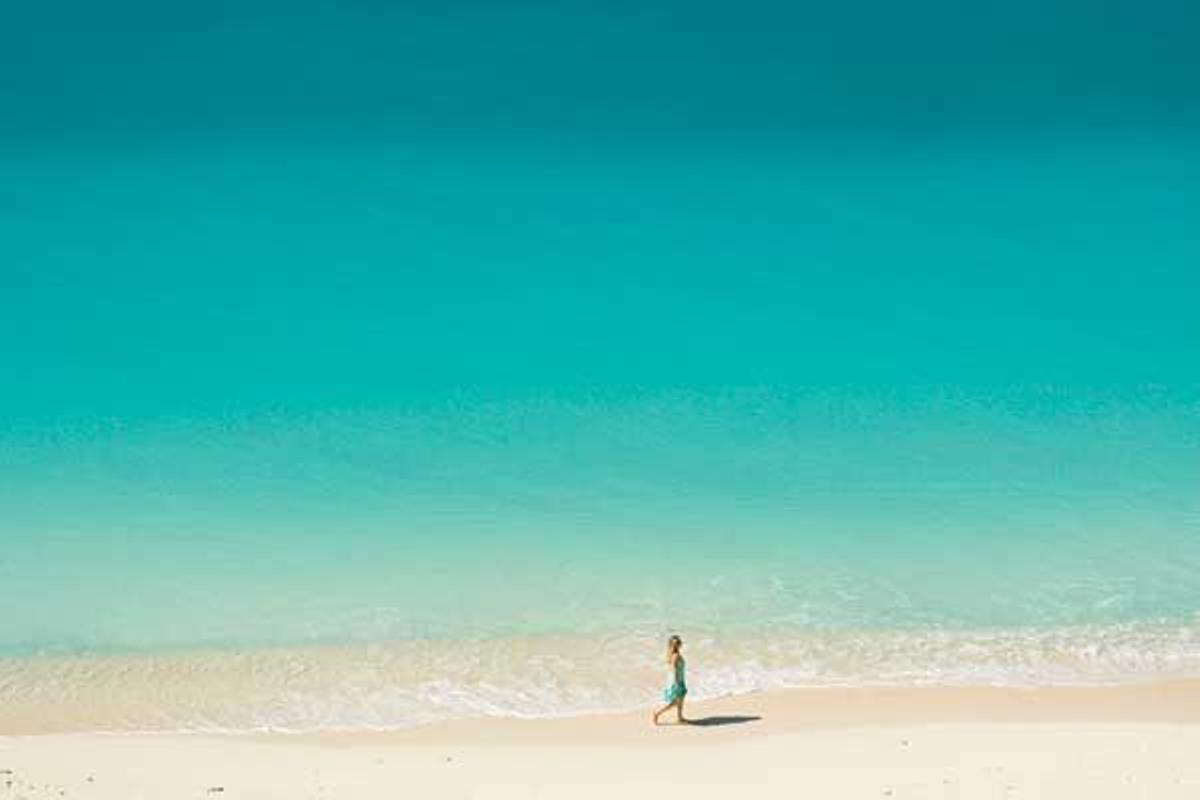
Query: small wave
(402,684)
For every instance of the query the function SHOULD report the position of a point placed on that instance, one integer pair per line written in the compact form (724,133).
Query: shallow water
(530,561)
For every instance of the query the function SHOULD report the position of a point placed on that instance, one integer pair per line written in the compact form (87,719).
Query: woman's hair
(673,645)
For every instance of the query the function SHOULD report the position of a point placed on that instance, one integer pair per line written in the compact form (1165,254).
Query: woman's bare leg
(679,711)
(665,709)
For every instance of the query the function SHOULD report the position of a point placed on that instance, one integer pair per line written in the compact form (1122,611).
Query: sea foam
(402,684)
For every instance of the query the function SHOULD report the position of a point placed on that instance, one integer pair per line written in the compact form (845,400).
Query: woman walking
(677,691)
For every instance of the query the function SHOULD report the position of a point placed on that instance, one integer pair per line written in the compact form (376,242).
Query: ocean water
(366,366)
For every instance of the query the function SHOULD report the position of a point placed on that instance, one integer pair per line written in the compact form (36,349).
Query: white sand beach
(1108,742)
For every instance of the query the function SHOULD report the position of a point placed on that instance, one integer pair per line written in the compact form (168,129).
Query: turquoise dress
(678,688)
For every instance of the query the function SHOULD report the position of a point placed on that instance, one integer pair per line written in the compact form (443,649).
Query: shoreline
(391,685)
(809,709)
(1164,701)
(1095,742)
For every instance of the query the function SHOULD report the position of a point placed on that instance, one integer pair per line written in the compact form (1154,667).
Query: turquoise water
(378,365)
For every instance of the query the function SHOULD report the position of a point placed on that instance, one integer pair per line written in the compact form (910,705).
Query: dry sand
(1113,742)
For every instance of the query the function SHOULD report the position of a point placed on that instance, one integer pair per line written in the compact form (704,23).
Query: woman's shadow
(731,719)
